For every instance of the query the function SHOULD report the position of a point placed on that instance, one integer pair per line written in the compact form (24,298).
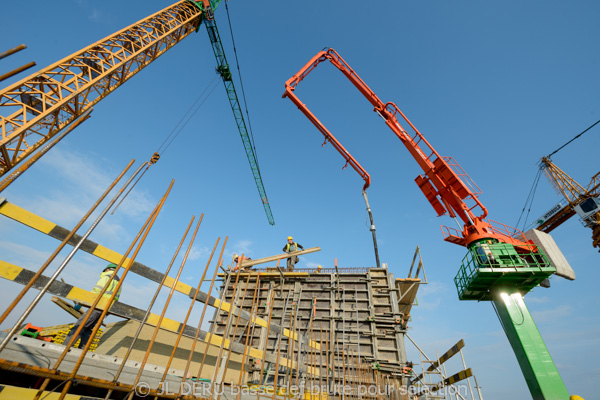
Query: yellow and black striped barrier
(20,275)
(40,224)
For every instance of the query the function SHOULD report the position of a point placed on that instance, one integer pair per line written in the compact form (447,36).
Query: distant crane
(36,109)
(584,202)
(501,264)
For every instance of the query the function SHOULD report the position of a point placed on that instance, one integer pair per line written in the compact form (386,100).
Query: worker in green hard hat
(289,247)
(86,331)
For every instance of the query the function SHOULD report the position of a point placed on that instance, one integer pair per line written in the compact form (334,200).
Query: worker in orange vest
(289,247)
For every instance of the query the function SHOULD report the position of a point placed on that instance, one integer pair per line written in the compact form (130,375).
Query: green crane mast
(225,72)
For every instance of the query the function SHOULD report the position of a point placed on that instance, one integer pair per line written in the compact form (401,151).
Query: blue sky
(496,85)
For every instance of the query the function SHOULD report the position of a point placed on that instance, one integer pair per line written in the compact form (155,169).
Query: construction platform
(271,331)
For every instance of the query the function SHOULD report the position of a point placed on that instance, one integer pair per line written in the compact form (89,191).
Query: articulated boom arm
(290,85)
(441,182)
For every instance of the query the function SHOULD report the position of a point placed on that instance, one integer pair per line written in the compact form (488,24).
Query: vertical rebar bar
(290,370)
(289,343)
(148,311)
(320,358)
(269,303)
(193,348)
(212,328)
(184,324)
(18,298)
(237,321)
(166,306)
(146,229)
(253,316)
(234,295)
(99,297)
(327,357)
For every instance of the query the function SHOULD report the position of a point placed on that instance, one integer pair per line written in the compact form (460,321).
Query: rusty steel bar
(253,311)
(234,298)
(141,236)
(175,346)
(262,362)
(290,361)
(212,327)
(256,312)
(237,322)
(360,371)
(312,358)
(31,160)
(142,240)
(321,357)
(156,293)
(336,355)
(62,266)
(327,356)
(64,376)
(283,312)
(12,51)
(193,348)
(17,70)
(356,374)
(167,303)
(275,379)
(18,298)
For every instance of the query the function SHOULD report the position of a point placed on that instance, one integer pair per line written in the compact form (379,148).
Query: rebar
(141,236)
(166,306)
(175,346)
(270,300)
(212,328)
(26,313)
(193,348)
(148,310)
(12,51)
(252,315)
(227,324)
(17,70)
(231,340)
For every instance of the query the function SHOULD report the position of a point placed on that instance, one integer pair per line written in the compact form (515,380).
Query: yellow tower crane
(582,201)
(39,110)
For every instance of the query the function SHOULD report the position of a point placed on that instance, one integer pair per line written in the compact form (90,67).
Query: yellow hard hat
(290,238)
(319,267)
(575,397)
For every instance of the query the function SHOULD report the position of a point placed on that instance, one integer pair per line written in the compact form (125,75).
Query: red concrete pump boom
(441,182)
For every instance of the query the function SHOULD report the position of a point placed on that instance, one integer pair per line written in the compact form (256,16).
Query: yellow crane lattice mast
(35,109)
(580,200)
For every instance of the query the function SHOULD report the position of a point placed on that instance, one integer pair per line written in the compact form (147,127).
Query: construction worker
(87,329)
(289,247)
(235,260)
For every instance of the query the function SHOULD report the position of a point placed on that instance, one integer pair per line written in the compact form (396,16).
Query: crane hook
(324,143)
(345,166)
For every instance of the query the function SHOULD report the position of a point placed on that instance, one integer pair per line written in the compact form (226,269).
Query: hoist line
(529,200)
(215,83)
(191,115)
(160,148)
(590,127)
(237,63)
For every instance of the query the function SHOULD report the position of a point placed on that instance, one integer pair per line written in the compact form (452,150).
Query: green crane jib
(225,72)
